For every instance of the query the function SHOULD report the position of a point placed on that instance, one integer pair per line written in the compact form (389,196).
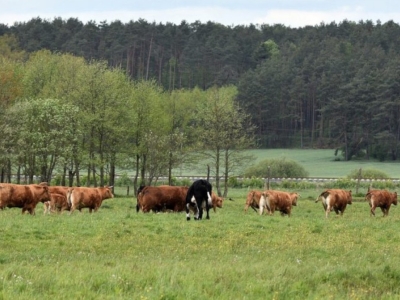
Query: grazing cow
(161,198)
(200,191)
(216,201)
(335,199)
(23,196)
(59,200)
(382,199)
(253,200)
(90,197)
(278,200)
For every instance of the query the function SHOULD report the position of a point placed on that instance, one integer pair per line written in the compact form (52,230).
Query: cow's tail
(322,195)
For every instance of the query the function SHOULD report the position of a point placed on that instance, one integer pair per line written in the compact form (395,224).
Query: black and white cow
(199,191)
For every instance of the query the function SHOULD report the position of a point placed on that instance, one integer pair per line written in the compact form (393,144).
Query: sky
(291,13)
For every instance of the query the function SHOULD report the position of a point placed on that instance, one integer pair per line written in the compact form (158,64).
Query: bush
(123,180)
(282,168)
(368,174)
(253,182)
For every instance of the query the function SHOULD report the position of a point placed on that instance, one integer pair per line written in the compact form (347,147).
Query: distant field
(321,162)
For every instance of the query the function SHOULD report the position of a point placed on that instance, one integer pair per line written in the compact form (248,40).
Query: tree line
(65,116)
(330,85)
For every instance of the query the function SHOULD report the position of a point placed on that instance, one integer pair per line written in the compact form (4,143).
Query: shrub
(123,180)
(283,168)
(253,182)
(368,174)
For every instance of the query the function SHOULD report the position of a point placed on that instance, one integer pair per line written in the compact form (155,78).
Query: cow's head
(294,197)
(394,198)
(107,192)
(219,202)
(349,197)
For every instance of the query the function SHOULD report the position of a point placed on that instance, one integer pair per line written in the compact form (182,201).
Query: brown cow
(216,201)
(253,200)
(161,198)
(23,196)
(59,200)
(278,200)
(382,199)
(90,197)
(335,199)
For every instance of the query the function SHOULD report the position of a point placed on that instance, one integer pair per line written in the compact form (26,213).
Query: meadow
(117,253)
(318,162)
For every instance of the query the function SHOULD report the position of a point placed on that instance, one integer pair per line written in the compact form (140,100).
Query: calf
(90,197)
(161,198)
(382,199)
(216,201)
(278,200)
(23,196)
(253,200)
(335,199)
(200,191)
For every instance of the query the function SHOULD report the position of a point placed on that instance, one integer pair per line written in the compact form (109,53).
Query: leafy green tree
(42,132)
(224,131)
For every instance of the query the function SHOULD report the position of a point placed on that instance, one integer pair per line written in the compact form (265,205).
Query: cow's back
(162,198)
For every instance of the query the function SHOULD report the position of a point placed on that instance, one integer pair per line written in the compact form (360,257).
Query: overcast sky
(293,13)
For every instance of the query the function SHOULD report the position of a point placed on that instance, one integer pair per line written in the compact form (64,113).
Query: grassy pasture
(319,162)
(117,253)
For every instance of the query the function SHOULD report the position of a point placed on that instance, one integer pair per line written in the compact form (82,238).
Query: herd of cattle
(196,198)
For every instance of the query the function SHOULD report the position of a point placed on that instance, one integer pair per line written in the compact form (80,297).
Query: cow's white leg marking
(187,211)
(327,204)
(193,200)
(262,204)
(209,199)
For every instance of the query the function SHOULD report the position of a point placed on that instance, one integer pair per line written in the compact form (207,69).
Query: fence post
(358,180)
(268,177)
(127,190)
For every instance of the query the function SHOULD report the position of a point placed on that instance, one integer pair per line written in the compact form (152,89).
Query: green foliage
(253,182)
(368,174)
(181,182)
(123,180)
(84,180)
(282,167)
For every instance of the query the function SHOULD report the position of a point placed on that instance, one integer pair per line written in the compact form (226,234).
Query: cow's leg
(209,200)
(373,210)
(385,211)
(187,212)
(263,203)
(200,210)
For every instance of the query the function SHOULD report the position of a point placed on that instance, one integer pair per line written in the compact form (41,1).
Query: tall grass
(117,253)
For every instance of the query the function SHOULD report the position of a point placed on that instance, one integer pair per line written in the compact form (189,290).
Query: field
(319,162)
(117,253)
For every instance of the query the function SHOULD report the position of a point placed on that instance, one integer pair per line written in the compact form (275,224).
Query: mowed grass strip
(117,253)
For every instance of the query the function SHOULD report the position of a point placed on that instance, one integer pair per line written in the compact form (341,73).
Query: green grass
(321,162)
(117,253)
(317,162)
